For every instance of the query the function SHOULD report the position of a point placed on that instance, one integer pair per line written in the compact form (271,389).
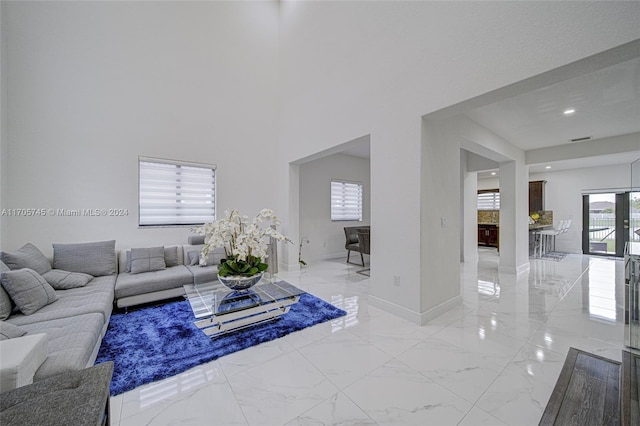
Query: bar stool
(548,237)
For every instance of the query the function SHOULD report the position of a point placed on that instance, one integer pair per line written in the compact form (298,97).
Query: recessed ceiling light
(547,167)
(493,173)
(569,111)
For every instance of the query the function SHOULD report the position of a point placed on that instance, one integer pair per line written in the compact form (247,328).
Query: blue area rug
(156,342)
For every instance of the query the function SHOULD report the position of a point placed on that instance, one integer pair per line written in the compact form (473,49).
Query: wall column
(469,206)
(514,212)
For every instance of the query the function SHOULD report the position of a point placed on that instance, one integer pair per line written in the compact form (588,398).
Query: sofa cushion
(135,284)
(196,240)
(28,290)
(171,256)
(96,258)
(10,331)
(6,305)
(147,259)
(95,297)
(203,275)
(64,280)
(213,257)
(71,343)
(27,256)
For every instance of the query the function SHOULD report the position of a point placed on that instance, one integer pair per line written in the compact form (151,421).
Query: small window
(489,199)
(174,193)
(346,201)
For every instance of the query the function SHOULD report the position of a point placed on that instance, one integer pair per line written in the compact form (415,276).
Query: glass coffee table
(219,310)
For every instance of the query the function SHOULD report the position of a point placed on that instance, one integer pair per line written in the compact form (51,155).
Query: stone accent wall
(493,216)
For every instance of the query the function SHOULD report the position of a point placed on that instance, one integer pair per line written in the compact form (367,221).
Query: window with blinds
(173,193)
(489,200)
(346,200)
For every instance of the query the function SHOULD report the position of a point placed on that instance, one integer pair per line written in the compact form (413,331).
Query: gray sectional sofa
(72,320)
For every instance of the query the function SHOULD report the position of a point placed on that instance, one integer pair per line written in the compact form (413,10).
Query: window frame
(345,182)
(180,191)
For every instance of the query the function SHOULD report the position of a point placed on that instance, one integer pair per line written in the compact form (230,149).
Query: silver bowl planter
(239,283)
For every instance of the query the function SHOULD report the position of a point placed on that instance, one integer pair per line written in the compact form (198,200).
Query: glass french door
(606,223)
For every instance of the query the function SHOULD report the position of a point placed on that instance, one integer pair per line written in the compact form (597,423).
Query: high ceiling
(606,103)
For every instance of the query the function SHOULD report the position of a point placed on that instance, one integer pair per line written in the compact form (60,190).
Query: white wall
(93,85)
(327,237)
(354,68)
(3,114)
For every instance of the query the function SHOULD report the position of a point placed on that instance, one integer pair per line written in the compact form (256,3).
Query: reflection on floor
(493,360)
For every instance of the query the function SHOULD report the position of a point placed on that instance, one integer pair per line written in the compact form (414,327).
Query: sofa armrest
(20,358)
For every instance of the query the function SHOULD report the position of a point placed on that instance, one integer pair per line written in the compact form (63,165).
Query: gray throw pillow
(195,240)
(147,259)
(28,290)
(96,259)
(64,280)
(171,256)
(6,305)
(27,256)
(213,258)
(10,331)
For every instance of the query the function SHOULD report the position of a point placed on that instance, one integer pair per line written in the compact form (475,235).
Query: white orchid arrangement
(245,243)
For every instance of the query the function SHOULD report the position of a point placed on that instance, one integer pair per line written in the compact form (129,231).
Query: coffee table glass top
(213,298)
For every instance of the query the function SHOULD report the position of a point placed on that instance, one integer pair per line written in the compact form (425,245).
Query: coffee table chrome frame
(223,323)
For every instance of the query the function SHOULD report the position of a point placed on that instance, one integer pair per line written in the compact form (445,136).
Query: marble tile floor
(494,360)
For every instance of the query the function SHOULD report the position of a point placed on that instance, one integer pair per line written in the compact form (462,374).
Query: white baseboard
(420,318)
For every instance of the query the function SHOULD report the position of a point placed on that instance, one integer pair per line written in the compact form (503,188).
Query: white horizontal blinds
(175,193)
(489,201)
(346,200)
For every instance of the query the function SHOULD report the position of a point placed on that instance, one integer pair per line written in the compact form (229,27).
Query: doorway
(605,218)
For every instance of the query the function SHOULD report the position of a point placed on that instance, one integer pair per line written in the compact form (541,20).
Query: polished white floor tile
(242,360)
(344,358)
(454,368)
(395,394)
(479,417)
(189,398)
(337,410)
(516,398)
(493,360)
(280,390)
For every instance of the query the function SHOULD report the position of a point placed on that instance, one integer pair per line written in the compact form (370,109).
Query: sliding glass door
(606,221)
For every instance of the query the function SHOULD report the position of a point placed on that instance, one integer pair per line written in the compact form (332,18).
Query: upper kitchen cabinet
(536,195)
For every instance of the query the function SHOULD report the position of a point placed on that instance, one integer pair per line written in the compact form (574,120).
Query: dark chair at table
(364,241)
(353,244)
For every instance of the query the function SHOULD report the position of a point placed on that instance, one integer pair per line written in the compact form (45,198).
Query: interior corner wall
(94,85)
(327,237)
(440,221)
